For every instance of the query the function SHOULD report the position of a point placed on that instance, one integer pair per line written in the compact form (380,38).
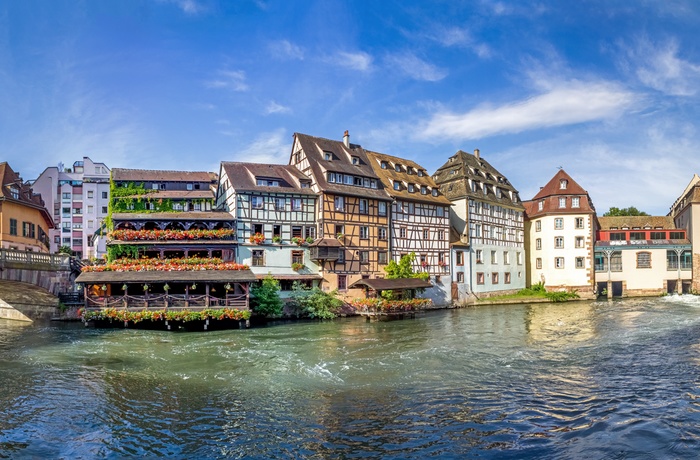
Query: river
(578,380)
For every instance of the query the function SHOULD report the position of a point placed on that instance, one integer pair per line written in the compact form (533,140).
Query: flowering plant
(390,306)
(158,315)
(257,238)
(442,263)
(296,240)
(165,265)
(162,235)
(296,266)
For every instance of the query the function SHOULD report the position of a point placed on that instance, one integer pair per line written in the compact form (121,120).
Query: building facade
(352,211)
(78,199)
(25,222)
(274,208)
(685,213)
(419,220)
(560,226)
(487,214)
(642,256)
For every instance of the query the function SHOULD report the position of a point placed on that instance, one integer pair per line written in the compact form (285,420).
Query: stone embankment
(26,302)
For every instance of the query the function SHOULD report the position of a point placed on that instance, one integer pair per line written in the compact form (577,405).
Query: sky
(607,90)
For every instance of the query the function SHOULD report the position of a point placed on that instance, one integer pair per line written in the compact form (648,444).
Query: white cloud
(659,67)
(283,49)
(455,36)
(415,67)
(229,79)
(274,107)
(569,103)
(187,6)
(270,147)
(356,61)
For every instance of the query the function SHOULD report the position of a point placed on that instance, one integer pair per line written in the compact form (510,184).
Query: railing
(167,301)
(54,261)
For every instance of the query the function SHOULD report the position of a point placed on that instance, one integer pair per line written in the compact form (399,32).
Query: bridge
(31,282)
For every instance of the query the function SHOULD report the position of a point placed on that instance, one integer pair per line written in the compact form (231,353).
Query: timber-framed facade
(353,210)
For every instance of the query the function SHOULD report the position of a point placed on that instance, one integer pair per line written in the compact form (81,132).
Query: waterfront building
(353,211)
(78,200)
(24,220)
(560,226)
(642,256)
(488,215)
(419,220)
(274,208)
(685,212)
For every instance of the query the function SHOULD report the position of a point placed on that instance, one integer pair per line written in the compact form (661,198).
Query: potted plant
(296,266)
(340,236)
(277,239)
(309,240)
(296,240)
(257,238)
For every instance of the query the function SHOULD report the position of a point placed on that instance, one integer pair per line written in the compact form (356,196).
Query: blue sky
(608,90)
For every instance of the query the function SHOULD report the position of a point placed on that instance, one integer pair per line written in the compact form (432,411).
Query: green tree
(631,211)
(315,303)
(403,269)
(65,250)
(266,297)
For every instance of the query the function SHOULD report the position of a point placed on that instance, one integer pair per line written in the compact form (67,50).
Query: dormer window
(397,185)
(14,191)
(563,183)
(411,188)
(434,192)
(190,186)
(356,160)
(305,184)
(562,202)
(397,167)
(420,173)
(383,164)
(409,170)
(423,190)
(328,156)
(540,205)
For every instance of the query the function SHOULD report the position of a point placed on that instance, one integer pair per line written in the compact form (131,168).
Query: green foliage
(561,296)
(266,297)
(118,251)
(315,303)
(631,211)
(403,269)
(65,250)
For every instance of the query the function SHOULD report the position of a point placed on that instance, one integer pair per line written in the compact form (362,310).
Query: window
(298,257)
(13,227)
(382,257)
(190,186)
(355,160)
(617,236)
(479,278)
(494,278)
(339,203)
(460,277)
(494,257)
(559,242)
(296,204)
(558,262)
(479,256)
(411,188)
(677,236)
(644,260)
(579,223)
(383,164)
(562,202)
(563,183)
(90,194)
(441,235)
(420,173)
(579,241)
(397,185)
(540,205)
(519,258)
(575,202)
(256,202)
(66,195)
(402,232)
(279,204)
(328,156)
(364,257)
(423,190)
(506,278)
(426,234)
(276,230)
(364,206)
(382,233)
(538,243)
(658,235)
(342,282)
(506,257)
(339,230)
(559,223)
(341,256)
(459,257)
(397,167)
(258,258)
(297,231)
(538,263)
(382,208)
(580,262)
(538,226)
(91,224)
(104,195)
(364,233)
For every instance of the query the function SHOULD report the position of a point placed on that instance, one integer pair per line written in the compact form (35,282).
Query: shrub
(315,303)
(266,299)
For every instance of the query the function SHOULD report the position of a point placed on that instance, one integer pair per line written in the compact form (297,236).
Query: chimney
(476,153)
(346,139)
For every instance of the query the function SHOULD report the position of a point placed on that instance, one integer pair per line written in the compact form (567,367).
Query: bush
(266,297)
(315,303)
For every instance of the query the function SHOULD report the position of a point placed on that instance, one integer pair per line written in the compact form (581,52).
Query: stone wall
(26,302)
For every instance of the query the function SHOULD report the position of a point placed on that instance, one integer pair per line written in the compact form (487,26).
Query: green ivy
(116,251)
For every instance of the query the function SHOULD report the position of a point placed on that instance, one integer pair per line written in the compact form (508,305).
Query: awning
(398,284)
(327,242)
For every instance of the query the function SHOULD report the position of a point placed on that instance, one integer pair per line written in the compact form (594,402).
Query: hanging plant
(194,286)
(296,266)
(257,238)
(145,287)
(166,288)
(227,286)
(309,240)
(296,240)
(124,287)
(104,287)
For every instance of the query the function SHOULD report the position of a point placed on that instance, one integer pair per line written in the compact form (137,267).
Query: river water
(578,380)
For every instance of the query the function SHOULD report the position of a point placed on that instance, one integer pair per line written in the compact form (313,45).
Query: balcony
(322,253)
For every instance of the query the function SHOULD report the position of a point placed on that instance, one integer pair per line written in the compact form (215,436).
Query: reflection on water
(576,380)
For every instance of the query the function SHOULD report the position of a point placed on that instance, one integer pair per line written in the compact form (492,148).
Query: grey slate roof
(143,175)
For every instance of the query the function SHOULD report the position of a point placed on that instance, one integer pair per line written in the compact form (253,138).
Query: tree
(315,303)
(631,211)
(65,250)
(403,269)
(266,297)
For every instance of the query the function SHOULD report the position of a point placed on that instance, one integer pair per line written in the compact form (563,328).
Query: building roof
(150,175)
(341,162)
(398,284)
(25,194)
(243,177)
(690,195)
(549,197)
(458,240)
(636,222)
(407,174)
(183,215)
(462,169)
(185,276)
(177,194)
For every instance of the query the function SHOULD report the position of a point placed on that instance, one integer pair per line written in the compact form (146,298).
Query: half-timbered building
(487,212)
(353,210)
(560,226)
(419,221)
(275,211)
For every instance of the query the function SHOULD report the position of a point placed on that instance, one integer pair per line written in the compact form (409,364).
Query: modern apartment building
(419,221)
(560,226)
(488,215)
(78,200)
